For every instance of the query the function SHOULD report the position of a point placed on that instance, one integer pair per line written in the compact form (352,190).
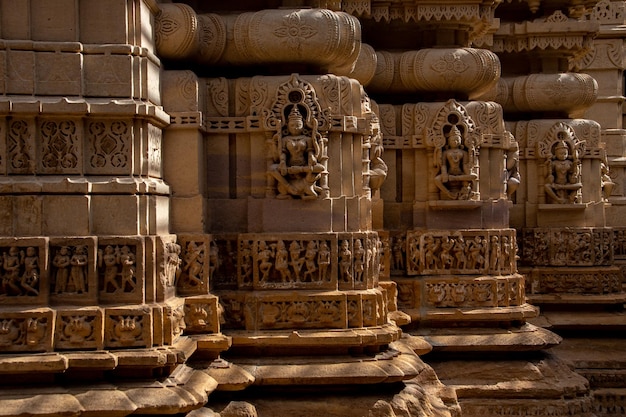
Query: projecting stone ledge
(524,338)
(184,390)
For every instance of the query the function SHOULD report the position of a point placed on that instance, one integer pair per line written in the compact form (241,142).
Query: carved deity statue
(61,262)
(563,179)
(296,168)
(78,262)
(455,178)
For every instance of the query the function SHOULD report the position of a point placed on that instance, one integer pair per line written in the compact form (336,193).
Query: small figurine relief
(292,262)
(172,266)
(74,280)
(21,270)
(345,262)
(562,152)
(297,154)
(245,263)
(177,321)
(606,182)
(512,177)
(223,264)
(378,169)
(116,268)
(398,254)
(193,271)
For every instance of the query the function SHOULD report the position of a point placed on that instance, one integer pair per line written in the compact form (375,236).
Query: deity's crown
(455,131)
(561,145)
(295,114)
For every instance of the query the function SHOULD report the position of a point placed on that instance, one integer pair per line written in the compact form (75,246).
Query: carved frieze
(575,281)
(566,247)
(459,252)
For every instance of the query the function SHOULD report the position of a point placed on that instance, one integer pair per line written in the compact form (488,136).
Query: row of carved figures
(430,253)
(21,270)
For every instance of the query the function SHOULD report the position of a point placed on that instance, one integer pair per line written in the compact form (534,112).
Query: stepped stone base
(541,385)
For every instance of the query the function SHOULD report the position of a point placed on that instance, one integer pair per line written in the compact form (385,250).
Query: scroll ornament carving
(59,148)
(19,149)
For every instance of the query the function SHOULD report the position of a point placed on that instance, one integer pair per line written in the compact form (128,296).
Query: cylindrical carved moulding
(569,93)
(463,70)
(317,37)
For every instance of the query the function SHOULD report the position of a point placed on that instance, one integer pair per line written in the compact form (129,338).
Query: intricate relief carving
(202,314)
(69,270)
(20,272)
(297,154)
(194,277)
(456,143)
(568,247)
(376,169)
(317,312)
(579,282)
(126,330)
(60,148)
(26,332)
(154,150)
(292,263)
(117,270)
(606,11)
(79,330)
(562,152)
(479,292)
(293,31)
(463,252)
(19,148)
(110,144)
(172,264)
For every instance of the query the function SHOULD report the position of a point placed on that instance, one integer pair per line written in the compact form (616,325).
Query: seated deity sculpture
(455,178)
(297,170)
(563,179)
